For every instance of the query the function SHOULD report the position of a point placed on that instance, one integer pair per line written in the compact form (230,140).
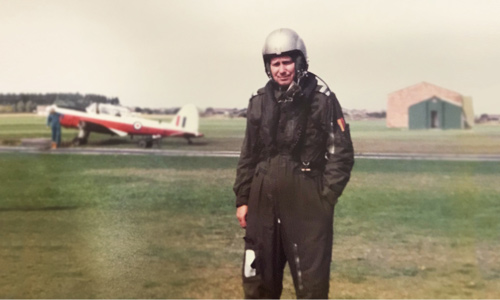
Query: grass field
(164,227)
(227,134)
(77,226)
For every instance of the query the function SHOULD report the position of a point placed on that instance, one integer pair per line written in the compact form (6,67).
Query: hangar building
(425,106)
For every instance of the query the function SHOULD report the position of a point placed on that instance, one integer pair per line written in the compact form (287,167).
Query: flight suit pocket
(256,185)
(327,194)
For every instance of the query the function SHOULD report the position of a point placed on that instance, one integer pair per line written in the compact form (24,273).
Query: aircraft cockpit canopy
(108,109)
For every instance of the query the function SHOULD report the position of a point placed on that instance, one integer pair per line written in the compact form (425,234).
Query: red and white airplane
(118,120)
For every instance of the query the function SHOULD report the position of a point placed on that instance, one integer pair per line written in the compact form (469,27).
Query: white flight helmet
(285,41)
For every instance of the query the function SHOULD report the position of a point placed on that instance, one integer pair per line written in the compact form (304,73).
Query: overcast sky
(166,53)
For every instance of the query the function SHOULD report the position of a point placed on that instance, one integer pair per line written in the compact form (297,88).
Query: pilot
(295,162)
(54,122)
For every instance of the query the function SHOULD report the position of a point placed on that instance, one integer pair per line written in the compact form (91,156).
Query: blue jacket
(54,120)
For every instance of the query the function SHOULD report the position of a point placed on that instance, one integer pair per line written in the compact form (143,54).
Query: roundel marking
(137,126)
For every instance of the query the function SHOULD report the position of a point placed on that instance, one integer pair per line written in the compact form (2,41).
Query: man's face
(283,70)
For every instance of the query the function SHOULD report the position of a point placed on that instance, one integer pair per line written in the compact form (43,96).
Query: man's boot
(54,145)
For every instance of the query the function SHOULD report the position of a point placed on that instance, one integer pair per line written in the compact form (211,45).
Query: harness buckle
(305,167)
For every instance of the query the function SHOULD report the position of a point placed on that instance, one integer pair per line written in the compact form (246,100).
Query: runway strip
(163,152)
(121,151)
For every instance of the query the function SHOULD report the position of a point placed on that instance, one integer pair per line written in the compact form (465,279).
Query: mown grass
(164,227)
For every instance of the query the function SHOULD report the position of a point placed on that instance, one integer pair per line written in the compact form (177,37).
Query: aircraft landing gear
(79,141)
(145,144)
(83,134)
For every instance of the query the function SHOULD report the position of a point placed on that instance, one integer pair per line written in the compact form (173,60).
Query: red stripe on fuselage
(73,121)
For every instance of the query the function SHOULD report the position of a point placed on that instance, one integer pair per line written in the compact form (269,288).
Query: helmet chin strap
(299,75)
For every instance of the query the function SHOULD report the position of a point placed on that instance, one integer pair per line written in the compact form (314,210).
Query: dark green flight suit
(295,161)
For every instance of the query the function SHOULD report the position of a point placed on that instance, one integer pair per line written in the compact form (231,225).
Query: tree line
(29,102)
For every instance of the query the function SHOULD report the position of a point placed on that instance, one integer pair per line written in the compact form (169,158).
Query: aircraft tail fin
(187,119)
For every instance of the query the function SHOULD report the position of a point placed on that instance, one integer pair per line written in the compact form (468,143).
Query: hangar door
(435,113)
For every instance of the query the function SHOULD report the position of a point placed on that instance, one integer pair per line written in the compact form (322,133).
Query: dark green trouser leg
(288,221)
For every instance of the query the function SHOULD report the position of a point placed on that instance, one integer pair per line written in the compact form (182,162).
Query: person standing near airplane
(54,122)
(295,162)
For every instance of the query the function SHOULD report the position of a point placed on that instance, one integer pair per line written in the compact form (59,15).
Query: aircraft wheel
(145,144)
(79,141)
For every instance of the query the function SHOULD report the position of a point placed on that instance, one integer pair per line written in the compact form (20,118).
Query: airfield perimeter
(166,152)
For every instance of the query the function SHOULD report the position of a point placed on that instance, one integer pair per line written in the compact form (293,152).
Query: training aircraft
(118,120)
